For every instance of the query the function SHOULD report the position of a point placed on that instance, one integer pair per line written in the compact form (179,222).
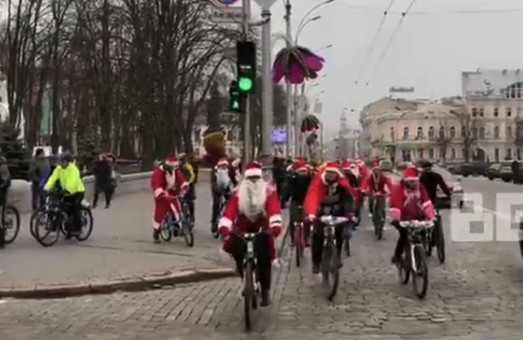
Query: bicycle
(224,199)
(413,260)
(436,238)
(10,222)
(330,261)
(171,227)
(299,237)
(378,216)
(251,291)
(56,219)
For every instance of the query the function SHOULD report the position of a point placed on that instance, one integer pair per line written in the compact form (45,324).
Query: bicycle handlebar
(417,224)
(332,220)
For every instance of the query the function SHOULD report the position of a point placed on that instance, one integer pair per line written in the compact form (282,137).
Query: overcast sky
(434,44)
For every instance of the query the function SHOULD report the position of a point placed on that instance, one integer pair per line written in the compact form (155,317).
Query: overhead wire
(387,47)
(372,45)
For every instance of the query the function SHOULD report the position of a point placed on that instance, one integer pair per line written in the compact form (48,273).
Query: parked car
(505,172)
(493,171)
(475,168)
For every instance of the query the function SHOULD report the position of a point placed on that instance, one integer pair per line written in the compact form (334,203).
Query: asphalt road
(476,294)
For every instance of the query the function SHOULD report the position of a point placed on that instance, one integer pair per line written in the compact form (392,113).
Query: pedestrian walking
(39,170)
(105,178)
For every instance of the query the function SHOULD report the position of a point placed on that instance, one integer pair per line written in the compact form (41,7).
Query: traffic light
(234,97)
(246,58)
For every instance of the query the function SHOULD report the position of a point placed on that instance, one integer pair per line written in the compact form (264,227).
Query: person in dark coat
(39,171)
(104,181)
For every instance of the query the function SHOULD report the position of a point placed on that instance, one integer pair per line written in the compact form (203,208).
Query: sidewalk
(120,254)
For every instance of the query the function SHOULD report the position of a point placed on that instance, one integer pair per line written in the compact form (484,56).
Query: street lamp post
(289,101)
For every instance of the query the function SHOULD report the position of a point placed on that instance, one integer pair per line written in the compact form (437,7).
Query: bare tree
(470,131)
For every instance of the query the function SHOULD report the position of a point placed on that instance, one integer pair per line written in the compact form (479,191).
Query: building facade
(408,129)
(494,98)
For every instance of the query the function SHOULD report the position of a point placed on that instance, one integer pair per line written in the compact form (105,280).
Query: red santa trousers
(162,206)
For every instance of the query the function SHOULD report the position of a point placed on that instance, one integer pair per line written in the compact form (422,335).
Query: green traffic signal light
(235,105)
(245,84)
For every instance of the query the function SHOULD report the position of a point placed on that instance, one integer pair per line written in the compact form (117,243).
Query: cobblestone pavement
(121,245)
(477,294)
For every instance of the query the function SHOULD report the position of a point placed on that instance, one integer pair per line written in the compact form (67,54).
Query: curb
(127,284)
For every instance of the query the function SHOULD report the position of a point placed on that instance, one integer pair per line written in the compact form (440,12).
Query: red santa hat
(411,173)
(253,169)
(222,161)
(171,161)
(345,165)
(332,166)
(300,165)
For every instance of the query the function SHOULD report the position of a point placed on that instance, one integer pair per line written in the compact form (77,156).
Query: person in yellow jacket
(190,177)
(67,176)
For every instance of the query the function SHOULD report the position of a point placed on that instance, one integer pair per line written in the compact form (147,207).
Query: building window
(431,153)
(509,154)
(420,132)
(496,154)
(481,111)
(509,111)
(474,112)
(452,132)
(514,91)
(474,132)
(431,132)
(441,132)
(453,154)
(406,155)
(406,132)
(496,132)
(518,153)
(509,132)
(482,132)
(420,153)
(392,133)
(496,112)
(463,132)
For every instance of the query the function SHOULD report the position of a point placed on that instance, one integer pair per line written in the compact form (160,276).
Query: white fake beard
(171,179)
(252,197)
(222,179)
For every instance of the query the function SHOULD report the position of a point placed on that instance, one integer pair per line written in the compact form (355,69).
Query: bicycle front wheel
(249,295)
(48,226)
(11,223)
(440,243)
(420,278)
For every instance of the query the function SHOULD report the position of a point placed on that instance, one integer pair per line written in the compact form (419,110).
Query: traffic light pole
(246,8)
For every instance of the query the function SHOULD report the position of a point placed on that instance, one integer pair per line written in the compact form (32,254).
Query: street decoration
(214,145)
(296,64)
(310,123)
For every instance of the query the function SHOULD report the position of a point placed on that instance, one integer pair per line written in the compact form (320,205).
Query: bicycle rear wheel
(440,243)
(298,238)
(11,223)
(249,295)
(420,278)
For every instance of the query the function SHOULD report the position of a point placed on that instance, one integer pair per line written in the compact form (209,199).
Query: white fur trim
(225,223)
(427,204)
(414,178)
(222,162)
(156,225)
(171,163)
(185,184)
(395,213)
(157,192)
(275,220)
(253,172)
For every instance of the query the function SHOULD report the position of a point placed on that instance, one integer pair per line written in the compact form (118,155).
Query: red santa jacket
(164,183)
(404,208)
(234,219)
(373,186)
(318,189)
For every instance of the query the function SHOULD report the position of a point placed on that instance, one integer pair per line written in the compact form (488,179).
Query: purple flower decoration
(296,64)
